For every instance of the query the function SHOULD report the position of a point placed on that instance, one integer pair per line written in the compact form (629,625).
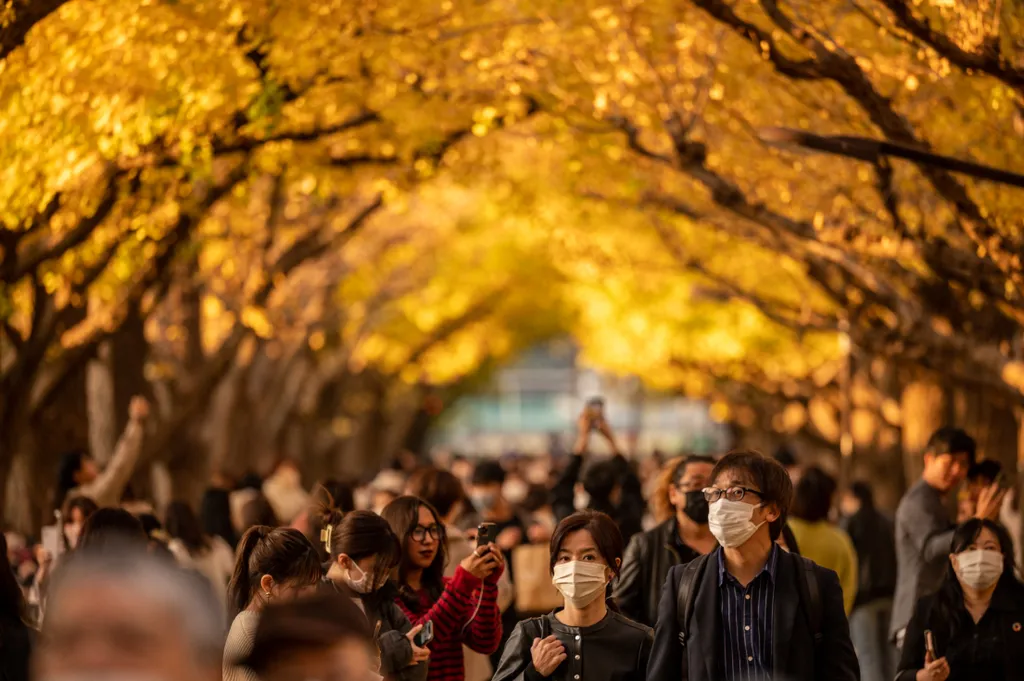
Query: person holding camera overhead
(972,627)
(460,610)
(586,638)
(612,485)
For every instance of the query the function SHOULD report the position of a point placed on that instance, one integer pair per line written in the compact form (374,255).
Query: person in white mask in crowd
(363,551)
(749,609)
(586,638)
(124,614)
(972,627)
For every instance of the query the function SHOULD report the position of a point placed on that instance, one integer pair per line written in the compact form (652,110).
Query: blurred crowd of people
(523,568)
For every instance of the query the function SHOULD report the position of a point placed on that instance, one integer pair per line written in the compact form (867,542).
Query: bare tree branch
(990,59)
(21,267)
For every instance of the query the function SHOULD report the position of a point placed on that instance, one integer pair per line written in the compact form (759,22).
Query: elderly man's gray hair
(186,594)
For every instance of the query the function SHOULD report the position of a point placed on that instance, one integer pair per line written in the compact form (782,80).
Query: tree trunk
(101,404)
(925,407)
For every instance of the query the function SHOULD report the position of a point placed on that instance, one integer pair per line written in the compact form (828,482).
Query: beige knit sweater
(239,644)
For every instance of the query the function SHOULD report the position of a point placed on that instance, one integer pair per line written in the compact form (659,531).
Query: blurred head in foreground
(321,636)
(120,614)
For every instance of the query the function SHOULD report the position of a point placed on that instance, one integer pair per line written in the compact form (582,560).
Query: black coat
(795,655)
(614,649)
(15,651)
(874,539)
(649,557)
(391,626)
(994,648)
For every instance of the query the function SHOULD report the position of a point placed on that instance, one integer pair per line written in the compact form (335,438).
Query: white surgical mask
(515,490)
(730,522)
(579,582)
(484,501)
(980,568)
(363,585)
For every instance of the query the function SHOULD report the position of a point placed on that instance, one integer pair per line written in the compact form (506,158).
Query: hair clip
(325,536)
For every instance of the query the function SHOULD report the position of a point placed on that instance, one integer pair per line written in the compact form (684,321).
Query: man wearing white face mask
(584,639)
(750,610)
(974,620)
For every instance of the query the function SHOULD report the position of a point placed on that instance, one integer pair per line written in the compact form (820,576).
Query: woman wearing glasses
(463,609)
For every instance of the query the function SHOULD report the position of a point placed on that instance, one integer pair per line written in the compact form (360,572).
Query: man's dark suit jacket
(795,656)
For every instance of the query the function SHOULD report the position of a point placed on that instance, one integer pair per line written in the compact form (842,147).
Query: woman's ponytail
(283,553)
(240,588)
(330,517)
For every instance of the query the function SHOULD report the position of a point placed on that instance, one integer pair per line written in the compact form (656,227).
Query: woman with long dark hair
(975,618)
(76,511)
(463,609)
(271,565)
(586,633)
(209,555)
(15,634)
(110,529)
(363,550)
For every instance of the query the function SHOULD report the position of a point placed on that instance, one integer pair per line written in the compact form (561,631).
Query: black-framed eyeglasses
(419,533)
(713,494)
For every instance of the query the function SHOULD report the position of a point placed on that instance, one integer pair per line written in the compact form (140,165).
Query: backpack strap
(810,595)
(686,595)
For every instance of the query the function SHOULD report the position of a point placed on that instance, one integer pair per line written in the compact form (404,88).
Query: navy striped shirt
(748,622)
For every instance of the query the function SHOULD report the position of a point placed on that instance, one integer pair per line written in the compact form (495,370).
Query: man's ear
(674,496)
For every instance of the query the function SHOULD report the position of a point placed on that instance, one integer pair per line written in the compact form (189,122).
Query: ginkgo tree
(131,135)
(309,215)
(920,266)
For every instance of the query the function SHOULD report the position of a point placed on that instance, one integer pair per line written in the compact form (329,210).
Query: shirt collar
(769,567)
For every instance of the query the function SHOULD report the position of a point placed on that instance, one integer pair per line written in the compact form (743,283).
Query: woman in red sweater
(463,609)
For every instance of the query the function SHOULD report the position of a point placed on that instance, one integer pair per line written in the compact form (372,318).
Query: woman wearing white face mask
(975,619)
(586,639)
(363,551)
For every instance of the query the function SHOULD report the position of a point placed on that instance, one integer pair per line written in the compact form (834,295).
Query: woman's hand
(418,654)
(934,670)
(990,500)
(499,564)
(138,409)
(483,561)
(547,654)
(42,556)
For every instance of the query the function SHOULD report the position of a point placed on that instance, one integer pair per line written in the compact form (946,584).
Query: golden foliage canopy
(422,188)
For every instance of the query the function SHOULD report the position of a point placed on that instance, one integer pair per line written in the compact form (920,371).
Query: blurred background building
(531,406)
